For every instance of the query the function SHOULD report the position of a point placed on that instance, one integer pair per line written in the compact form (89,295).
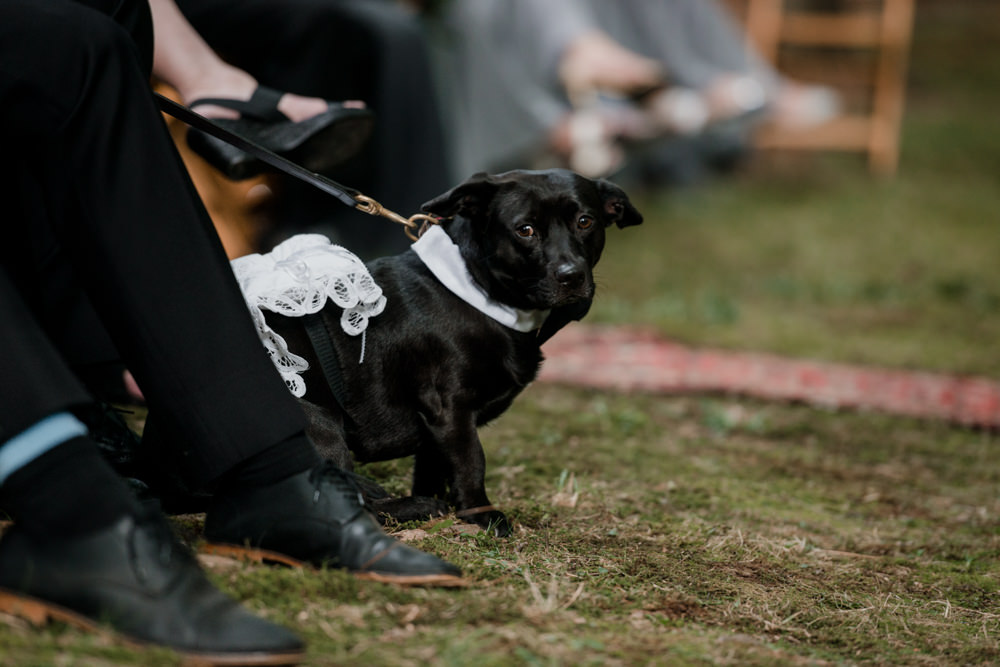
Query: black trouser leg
(36,382)
(125,214)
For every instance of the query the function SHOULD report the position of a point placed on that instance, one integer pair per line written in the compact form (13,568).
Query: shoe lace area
(169,549)
(340,479)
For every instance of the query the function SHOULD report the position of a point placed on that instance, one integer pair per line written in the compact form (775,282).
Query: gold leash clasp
(413,226)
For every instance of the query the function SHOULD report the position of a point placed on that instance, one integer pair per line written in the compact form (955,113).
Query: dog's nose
(570,275)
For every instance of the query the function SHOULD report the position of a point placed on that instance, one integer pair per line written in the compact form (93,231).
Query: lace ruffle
(296,278)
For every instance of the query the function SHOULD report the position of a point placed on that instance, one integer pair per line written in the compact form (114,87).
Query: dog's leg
(431,473)
(410,508)
(427,499)
(460,460)
(468,491)
(326,429)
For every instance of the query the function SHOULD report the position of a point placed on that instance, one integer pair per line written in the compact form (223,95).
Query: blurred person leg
(183,59)
(702,47)
(311,131)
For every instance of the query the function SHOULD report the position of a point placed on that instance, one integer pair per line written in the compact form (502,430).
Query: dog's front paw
(488,518)
(409,508)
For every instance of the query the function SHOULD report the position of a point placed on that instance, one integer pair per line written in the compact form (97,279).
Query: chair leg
(890,83)
(763,25)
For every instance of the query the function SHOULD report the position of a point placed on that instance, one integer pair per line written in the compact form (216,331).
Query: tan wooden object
(883,29)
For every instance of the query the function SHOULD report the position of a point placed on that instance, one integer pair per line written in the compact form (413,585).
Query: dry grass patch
(665,529)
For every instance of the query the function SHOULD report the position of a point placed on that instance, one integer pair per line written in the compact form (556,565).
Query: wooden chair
(238,208)
(861,47)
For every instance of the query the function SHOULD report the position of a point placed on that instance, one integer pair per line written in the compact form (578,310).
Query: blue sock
(31,443)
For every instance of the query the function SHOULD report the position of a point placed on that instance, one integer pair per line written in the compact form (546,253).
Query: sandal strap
(262,105)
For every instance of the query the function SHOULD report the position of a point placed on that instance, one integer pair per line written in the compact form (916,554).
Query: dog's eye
(585,222)
(525,231)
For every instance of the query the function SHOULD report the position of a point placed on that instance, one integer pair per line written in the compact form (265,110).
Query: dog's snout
(570,274)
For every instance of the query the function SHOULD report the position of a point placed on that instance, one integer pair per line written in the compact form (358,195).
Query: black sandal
(318,143)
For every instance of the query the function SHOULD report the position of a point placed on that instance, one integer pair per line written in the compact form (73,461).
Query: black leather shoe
(135,577)
(318,517)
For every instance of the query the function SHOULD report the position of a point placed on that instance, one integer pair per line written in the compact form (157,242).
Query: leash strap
(475,510)
(319,336)
(346,195)
(413,226)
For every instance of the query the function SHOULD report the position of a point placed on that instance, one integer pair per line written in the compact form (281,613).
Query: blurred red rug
(633,360)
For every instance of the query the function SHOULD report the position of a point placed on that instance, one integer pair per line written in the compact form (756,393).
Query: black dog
(436,367)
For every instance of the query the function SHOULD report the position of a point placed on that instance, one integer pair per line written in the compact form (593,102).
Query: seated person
(580,81)
(107,223)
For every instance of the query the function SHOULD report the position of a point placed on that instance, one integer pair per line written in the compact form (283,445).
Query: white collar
(444,259)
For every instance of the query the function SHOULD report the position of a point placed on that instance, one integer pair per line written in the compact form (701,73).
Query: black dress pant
(100,204)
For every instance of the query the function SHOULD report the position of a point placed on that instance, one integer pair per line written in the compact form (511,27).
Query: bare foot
(686,111)
(732,95)
(802,106)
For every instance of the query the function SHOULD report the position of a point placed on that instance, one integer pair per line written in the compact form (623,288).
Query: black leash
(413,226)
(346,195)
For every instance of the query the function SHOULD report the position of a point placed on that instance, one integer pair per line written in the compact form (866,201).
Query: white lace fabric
(296,278)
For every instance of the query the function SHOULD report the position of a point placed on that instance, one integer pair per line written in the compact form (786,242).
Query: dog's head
(531,238)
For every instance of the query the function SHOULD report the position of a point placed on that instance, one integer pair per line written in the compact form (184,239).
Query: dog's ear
(470,199)
(617,205)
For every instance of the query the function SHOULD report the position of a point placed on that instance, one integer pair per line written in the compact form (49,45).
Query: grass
(691,530)
(672,530)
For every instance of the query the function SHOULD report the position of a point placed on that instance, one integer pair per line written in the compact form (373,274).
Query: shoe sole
(39,613)
(264,556)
